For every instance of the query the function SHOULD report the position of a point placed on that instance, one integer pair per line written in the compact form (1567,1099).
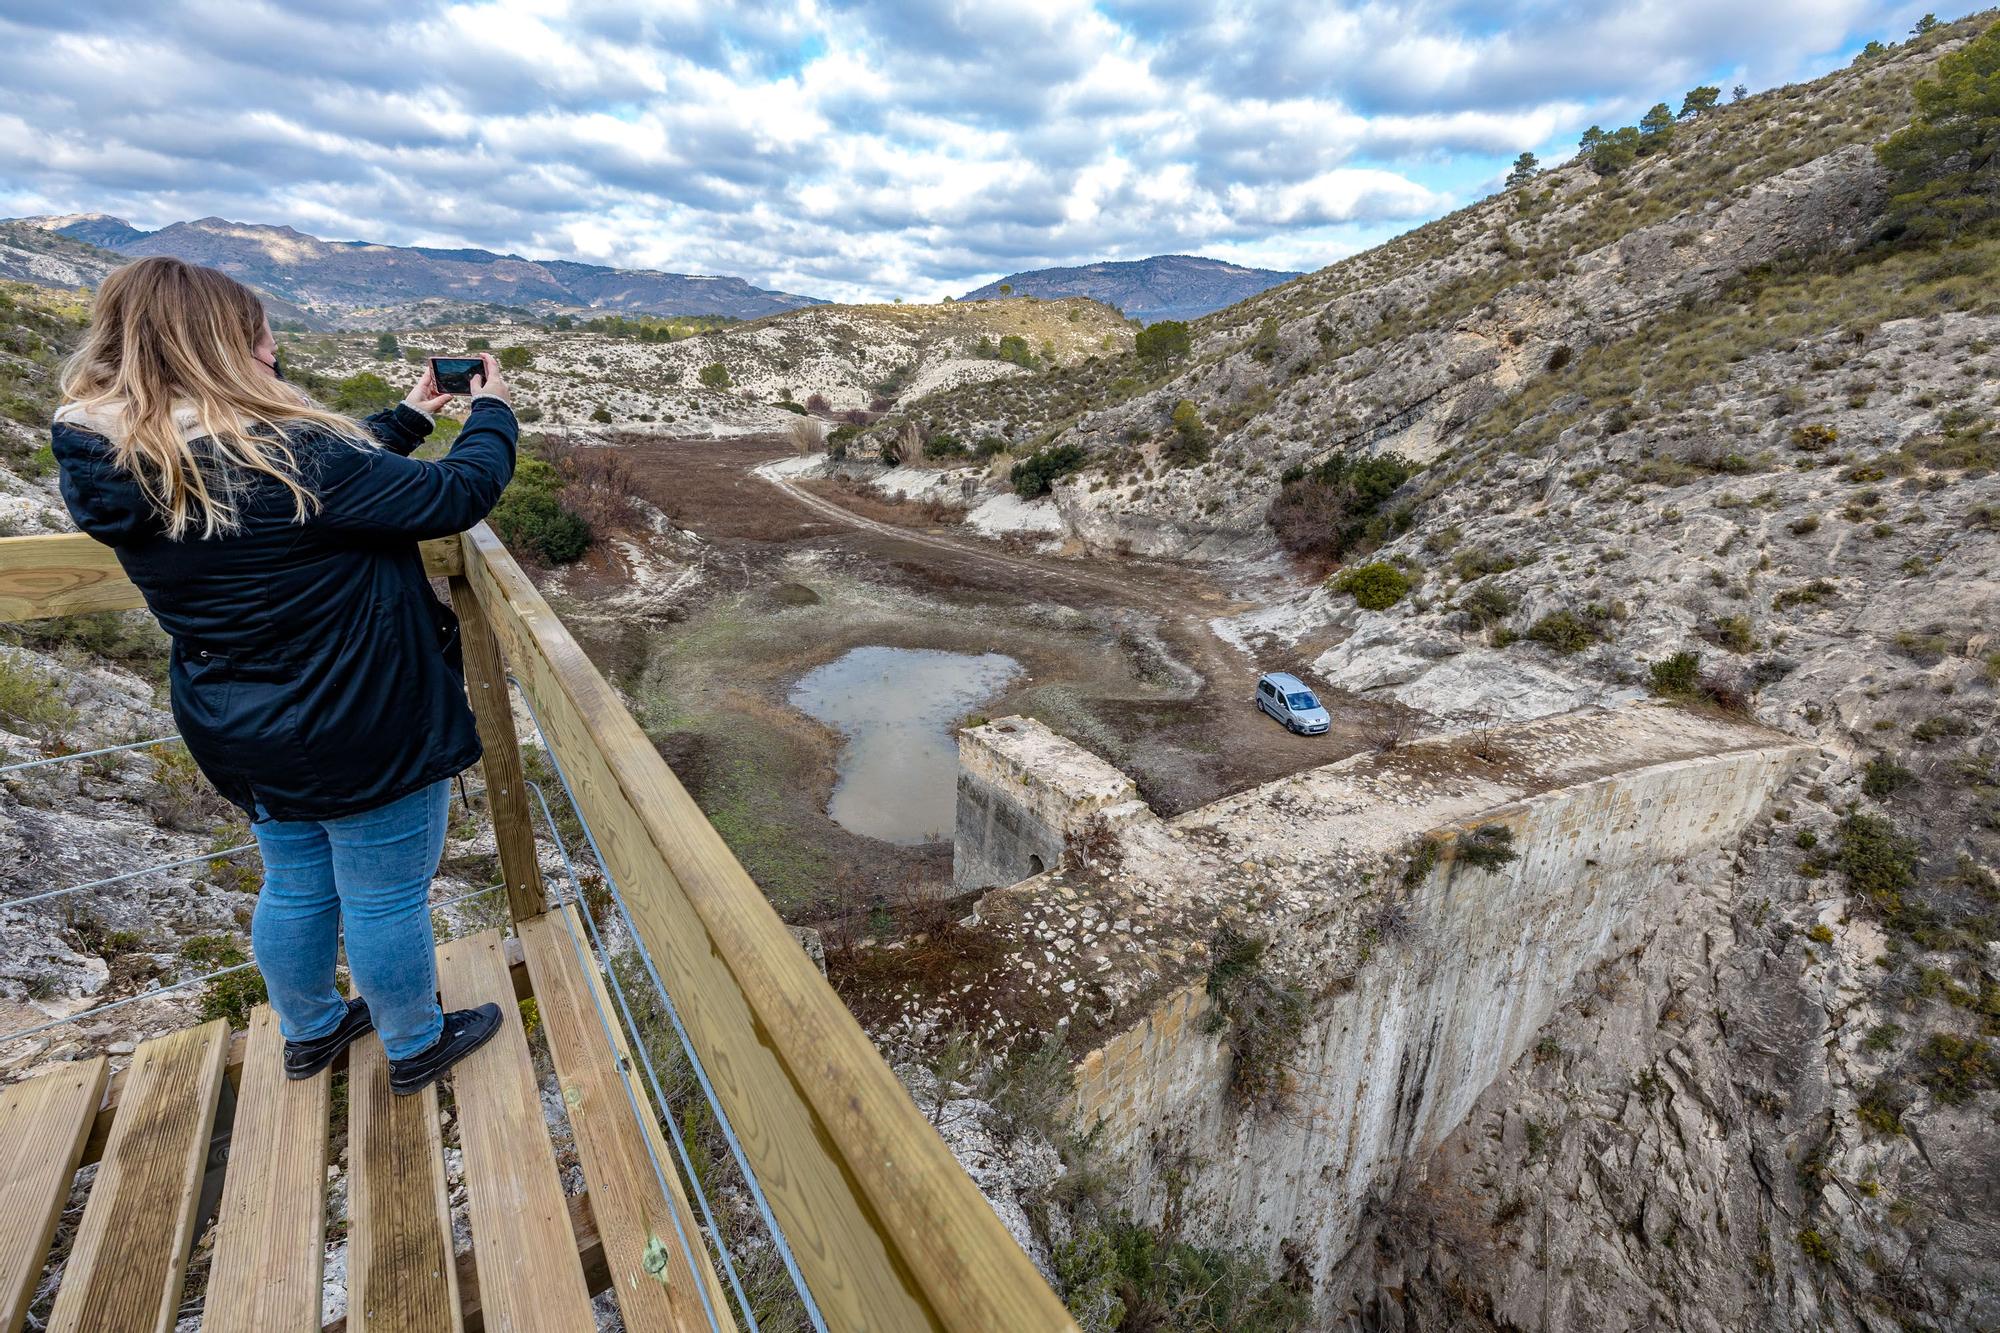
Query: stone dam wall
(1400,1045)
(1420,996)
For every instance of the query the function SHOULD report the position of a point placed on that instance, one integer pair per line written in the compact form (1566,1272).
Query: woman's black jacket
(313,671)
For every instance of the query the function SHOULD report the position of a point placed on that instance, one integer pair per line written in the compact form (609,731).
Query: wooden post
(506,790)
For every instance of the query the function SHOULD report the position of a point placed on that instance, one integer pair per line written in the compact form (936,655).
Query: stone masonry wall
(1022,791)
(1420,1000)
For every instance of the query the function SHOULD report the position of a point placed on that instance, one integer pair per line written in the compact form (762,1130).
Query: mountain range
(345,283)
(1148,290)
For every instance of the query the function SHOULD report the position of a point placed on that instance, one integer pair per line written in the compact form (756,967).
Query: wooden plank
(43,1124)
(67,574)
(506,792)
(589,1253)
(889,1231)
(529,1278)
(271,1229)
(238,1044)
(631,1211)
(400,1275)
(124,1271)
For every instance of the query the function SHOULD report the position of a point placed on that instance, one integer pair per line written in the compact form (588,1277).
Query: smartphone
(454,373)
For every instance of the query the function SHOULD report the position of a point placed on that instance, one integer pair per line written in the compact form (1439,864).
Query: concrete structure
(1023,793)
(1423,984)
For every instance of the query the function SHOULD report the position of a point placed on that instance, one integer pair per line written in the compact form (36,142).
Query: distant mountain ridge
(341,282)
(1149,290)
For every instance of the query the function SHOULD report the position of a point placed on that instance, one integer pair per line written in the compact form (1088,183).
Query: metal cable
(87,754)
(624,1067)
(158,991)
(130,874)
(673,1015)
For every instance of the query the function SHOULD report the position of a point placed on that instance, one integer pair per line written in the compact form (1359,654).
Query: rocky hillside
(1163,287)
(686,378)
(356,284)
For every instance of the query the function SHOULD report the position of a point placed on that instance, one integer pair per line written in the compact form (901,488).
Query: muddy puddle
(897,775)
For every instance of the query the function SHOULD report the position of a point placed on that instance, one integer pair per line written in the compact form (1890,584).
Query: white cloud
(848,148)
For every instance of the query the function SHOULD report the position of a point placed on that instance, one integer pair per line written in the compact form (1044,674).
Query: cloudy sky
(851,148)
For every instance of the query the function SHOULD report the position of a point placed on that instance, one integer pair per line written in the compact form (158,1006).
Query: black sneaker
(303,1059)
(465,1031)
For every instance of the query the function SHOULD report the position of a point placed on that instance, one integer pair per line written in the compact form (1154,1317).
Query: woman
(316,679)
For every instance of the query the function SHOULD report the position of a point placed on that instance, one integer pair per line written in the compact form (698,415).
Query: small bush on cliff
(1677,677)
(1488,847)
(1565,632)
(1879,863)
(1189,444)
(1035,474)
(715,375)
(1954,1068)
(1374,587)
(30,700)
(1260,1016)
(1338,506)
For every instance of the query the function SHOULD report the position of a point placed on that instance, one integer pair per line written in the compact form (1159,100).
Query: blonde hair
(170,359)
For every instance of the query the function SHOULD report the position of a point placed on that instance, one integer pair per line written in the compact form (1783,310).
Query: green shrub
(1486,604)
(232,997)
(515,358)
(1954,1068)
(1039,471)
(31,700)
(1880,863)
(715,375)
(1374,587)
(1337,506)
(1190,443)
(1488,847)
(1817,1247)
(1261,1017)
(1884,777)
(363,394)
(1676,677)
(1564,632)
(531,517)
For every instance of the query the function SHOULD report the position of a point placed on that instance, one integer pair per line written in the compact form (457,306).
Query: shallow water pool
(897,776)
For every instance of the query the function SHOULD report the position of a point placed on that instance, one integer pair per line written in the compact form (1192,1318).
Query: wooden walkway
(536,1257)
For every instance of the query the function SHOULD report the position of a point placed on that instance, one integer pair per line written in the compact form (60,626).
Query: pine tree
(386,348)
(1699,100)
(1738,93)
(1924,25)
(1524,170)
(1656,128)
(1945,166)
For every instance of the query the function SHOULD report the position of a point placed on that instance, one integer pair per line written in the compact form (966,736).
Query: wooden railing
(889,1232)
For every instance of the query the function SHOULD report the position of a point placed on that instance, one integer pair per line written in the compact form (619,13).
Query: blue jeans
(370,873)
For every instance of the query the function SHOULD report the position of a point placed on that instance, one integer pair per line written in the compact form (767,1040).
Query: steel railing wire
(590,963)
(728,1130)
(84,754)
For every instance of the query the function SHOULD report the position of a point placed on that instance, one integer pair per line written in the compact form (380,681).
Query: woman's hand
(425,396)
(490,384)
